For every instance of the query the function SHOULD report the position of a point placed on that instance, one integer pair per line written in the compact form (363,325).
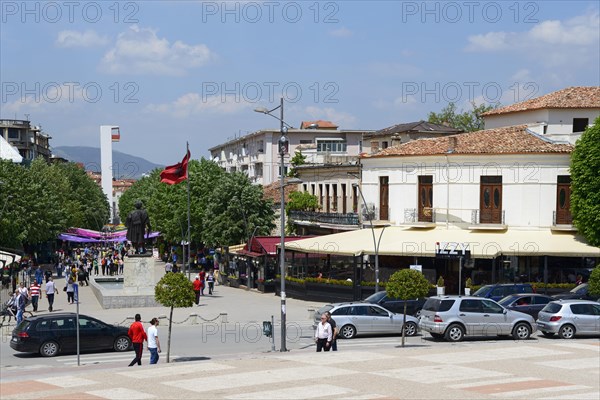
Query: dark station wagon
(51,334)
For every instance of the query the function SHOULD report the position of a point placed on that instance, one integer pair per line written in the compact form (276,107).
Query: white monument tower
(108,134)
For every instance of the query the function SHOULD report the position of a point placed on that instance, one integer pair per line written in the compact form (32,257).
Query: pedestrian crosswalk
(104,358)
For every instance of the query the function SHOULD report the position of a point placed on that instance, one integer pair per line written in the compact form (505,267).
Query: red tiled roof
(320,124)
(273,191)
(572,97)
(506,140)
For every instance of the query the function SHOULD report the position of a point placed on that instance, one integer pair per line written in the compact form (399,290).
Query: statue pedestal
(138,274)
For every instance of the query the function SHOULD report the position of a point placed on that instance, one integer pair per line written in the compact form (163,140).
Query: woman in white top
(153,342)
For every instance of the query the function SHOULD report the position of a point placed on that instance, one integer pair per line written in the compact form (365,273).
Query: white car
(358,318)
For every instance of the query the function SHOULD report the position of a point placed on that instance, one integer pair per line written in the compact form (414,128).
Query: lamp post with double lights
(375,241)
(283,145)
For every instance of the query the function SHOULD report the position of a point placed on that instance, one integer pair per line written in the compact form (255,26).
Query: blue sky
(171,72)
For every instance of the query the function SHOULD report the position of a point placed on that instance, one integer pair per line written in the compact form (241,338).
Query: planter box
(234,282)
(441,290)
(266,287)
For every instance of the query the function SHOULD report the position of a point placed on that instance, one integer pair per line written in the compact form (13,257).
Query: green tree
(235,209)
(174,290)
(295,161)
(594,282)
(407,284)
(299,201)
(585,184)
(467,121)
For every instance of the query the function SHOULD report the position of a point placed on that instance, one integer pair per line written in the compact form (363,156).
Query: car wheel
(49,349)
(454,333)
(521,331)
(566,331)
(410,329)
(122,343)
(547,334)
(436,335)
(348,331)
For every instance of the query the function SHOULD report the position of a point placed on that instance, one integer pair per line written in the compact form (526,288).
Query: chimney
(452,140)
(396,140)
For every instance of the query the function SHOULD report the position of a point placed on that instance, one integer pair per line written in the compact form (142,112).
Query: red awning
(268,244)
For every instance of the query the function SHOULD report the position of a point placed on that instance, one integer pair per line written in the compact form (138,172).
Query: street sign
(452,250)
(417,267)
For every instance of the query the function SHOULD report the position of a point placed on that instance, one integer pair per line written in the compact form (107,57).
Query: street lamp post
(283,144)
(375,242)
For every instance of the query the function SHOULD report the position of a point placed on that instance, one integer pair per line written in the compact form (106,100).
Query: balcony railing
(325,218)
(476,218)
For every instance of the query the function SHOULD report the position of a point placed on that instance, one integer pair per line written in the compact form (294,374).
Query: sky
(173,72)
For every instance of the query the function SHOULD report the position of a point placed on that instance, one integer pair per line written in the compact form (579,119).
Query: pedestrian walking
(334,331)
(197,286)
(323,334)
(34,294)
(70,289)
(21,302)
(50,291)
(137,335)
(202,276)
(211,282)
(153,342)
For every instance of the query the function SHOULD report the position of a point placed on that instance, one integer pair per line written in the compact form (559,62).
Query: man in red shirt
(137,335)
(197,286)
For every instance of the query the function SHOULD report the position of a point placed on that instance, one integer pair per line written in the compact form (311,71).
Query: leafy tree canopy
(594,282)
(175,290)
(407,284)
(585,184)
(467,121)
(296,160)
(302,201)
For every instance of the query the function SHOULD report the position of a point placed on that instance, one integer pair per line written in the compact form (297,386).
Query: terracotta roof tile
(506,140)
(572,97)
(273,192)
(321,124)
(418,126)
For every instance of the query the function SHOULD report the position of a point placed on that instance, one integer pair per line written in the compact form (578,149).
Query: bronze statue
(136,223)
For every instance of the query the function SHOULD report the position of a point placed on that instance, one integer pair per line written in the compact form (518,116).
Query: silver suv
(569,318)
(453,317)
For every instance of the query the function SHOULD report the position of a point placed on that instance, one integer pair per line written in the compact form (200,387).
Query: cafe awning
(401,241)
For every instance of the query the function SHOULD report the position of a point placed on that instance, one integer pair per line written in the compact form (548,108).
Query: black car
(579,292)
(528,303)
(396,305)
(51,334)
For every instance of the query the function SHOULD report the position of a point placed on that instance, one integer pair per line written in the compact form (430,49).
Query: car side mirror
(504,311)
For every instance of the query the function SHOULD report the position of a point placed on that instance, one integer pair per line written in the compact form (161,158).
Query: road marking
(503,353)
(165,370)
(580,396)
(121,393)
(539,390)
(336,357)
(589,346)
(254,378)
(490,382)
(439,373)
(301,392)
(577,363)
(68,381)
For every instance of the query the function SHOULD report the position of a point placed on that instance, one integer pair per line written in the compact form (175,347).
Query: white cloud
(194,103)
(141,51)
(342,32)
(342,119)
(88,38)
(547,36)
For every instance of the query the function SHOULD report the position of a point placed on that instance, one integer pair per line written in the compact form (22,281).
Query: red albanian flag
(174,174)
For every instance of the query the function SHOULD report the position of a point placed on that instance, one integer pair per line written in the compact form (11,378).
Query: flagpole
(189,230)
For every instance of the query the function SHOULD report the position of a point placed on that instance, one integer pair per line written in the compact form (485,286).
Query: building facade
(29,140)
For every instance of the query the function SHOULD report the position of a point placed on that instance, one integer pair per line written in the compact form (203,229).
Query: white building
(559,116)
(257,153)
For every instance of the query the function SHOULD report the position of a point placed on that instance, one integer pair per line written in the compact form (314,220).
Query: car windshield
(482,290)
(375,297)
(579,289)
(505,301)
(324,309)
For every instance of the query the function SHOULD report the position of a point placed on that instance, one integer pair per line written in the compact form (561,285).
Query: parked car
(396,305)
(570,317)
(499,291)
(359,318)
(51,334)
(453,317)
(579,292)
(528,303)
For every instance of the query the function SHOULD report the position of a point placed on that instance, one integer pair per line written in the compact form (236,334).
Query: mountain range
(125,166)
